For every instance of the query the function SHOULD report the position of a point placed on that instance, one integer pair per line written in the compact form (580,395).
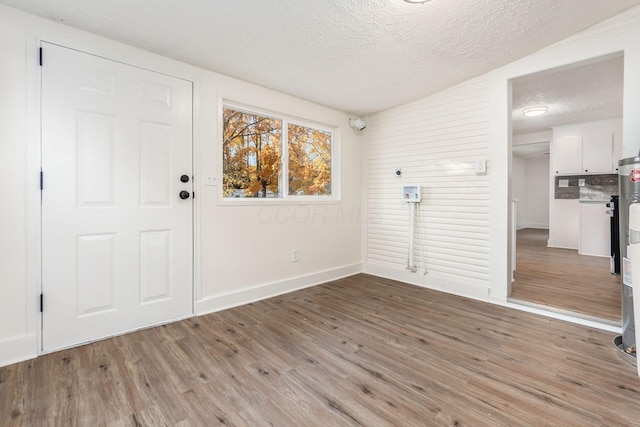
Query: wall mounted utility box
(411,193)
(481,166)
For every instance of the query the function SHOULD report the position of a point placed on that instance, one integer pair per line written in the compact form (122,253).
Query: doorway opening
(564,172)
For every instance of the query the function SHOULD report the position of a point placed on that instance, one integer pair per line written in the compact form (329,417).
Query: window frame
(285,197)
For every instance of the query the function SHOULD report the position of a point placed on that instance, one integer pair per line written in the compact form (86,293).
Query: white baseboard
(18,350)
(560,314)
(597,255)
(537,226)
(269,290)
(469,288)
(549,245)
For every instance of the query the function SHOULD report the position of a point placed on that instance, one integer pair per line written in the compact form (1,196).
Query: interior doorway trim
(561,315)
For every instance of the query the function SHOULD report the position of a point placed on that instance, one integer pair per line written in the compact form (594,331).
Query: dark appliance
(615,233)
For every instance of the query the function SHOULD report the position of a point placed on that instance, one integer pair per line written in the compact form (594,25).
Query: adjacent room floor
(357,351)
(563,279)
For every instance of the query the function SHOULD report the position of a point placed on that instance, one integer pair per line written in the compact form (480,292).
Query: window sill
(277,202)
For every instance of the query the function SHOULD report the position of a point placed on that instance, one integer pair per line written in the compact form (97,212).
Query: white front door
(117,233)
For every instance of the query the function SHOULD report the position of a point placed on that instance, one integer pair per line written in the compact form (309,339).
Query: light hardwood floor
(561,278)
(357,351)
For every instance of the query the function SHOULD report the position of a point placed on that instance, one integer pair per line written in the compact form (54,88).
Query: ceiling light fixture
(417,1)
(534,111)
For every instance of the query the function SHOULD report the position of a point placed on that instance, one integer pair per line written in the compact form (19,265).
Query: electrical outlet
(295,255)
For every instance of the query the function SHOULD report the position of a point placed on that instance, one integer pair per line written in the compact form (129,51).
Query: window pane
(252,149)
(309,161)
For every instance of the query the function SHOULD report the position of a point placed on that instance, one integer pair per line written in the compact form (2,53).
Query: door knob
(184,178)
(184,194)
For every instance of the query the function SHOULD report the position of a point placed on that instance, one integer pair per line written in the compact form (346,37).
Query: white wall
(530,185)
(530,179)
(519,189)
(537,192)
(246,250)
(242,252)
(532,138)
(436,141)
(13,215)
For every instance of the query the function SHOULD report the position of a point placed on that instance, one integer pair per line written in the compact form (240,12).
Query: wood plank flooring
(358,351)
(561,278)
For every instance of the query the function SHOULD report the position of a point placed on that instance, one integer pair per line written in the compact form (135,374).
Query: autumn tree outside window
(259,150)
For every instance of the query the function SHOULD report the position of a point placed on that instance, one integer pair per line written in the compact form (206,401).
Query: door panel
(95,157)
(116,238)
(95,288)
(155,164)
(155,268)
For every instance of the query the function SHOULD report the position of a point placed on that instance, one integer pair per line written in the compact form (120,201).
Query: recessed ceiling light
(417,1)
(534,111)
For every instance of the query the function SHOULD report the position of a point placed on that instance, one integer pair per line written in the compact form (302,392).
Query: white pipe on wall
(411,264)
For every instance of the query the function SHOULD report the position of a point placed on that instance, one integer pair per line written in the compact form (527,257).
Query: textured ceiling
(353,55)
(580,93)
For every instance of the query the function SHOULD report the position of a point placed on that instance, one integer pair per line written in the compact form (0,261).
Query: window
(309,161)
(252,155)
(259,150)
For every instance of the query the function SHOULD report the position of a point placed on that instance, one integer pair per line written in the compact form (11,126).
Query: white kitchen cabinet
(597,151)
(564,224)
(587,148)
(567,155)
(595,231)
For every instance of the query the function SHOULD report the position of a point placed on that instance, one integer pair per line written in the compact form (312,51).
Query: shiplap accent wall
(436,142)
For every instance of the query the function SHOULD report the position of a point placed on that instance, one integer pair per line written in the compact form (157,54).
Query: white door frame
(114,51)
(568,51)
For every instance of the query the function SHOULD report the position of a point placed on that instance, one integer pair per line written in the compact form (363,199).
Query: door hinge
(193,194)
(40,57)
(41,180)
(41,303)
